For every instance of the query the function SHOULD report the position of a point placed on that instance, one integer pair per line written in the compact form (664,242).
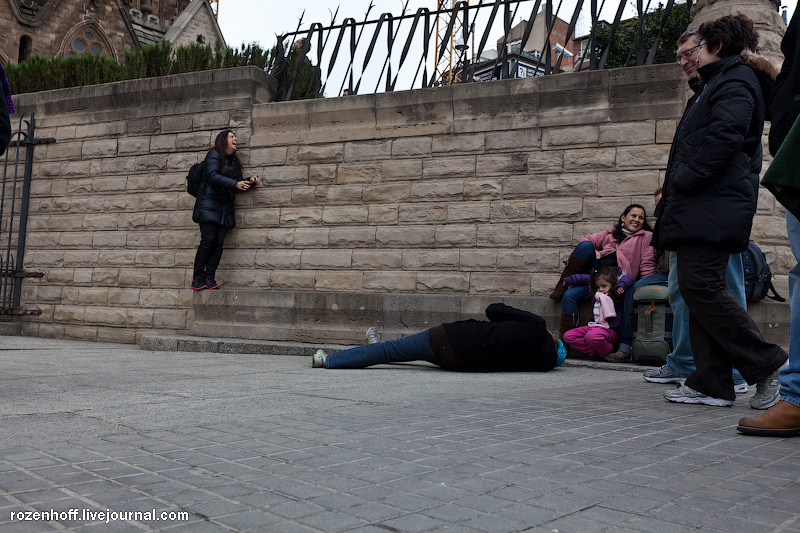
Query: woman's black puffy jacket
(214,203)
(711,187)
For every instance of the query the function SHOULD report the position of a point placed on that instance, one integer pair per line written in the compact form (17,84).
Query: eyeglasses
(687,54)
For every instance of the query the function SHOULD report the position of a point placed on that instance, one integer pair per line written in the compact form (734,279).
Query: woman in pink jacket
(626,245)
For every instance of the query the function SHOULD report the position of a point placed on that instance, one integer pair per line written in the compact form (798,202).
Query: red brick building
(101,27)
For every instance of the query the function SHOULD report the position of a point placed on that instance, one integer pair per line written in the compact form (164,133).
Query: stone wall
(474,190)
(110,221)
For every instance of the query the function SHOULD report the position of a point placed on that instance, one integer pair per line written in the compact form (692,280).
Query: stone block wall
(109,220)
(474,190)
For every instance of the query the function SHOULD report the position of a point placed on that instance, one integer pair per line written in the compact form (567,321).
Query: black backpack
(757,275)
(194,179)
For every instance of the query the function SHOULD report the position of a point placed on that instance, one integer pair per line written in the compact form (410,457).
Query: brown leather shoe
(618,357)
(780,420)
(573,266)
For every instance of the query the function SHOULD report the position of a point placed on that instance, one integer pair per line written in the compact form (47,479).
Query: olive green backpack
(651,325)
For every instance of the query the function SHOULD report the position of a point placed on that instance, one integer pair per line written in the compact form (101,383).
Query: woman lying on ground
(513,341)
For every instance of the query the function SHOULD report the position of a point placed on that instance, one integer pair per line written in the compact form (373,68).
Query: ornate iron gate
(14,195)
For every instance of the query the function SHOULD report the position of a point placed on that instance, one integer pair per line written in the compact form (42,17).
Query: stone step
(10,328)
(341,318)
(188,343)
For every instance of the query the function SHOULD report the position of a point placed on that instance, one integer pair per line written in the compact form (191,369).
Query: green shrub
(192,58)
(40,73)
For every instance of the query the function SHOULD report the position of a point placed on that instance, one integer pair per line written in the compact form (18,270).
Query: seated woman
(626,246)
(514,341)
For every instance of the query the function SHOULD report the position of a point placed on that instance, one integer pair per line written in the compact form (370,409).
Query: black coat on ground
(514,341)
(710,191)
(214,203)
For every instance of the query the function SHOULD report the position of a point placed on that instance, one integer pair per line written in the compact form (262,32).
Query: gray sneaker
(768,392)
(318,359)
(371,335)
(684,394)
(662,375)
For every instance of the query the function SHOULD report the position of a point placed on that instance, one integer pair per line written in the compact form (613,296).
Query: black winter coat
(514,340)
(214,203)
(710,191)
(784,103)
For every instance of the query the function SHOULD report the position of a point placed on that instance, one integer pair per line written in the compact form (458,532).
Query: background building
(101,27)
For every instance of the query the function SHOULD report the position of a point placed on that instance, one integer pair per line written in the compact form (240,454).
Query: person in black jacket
(213,208)
(6,107)
(706,213)
(513,341)
(783,419)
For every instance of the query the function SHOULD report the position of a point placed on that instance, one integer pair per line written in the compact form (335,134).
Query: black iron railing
(15,186)
(432,47)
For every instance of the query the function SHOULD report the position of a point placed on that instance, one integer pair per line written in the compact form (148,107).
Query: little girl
(598,337)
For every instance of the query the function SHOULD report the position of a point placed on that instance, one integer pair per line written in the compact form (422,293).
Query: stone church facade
(101,27)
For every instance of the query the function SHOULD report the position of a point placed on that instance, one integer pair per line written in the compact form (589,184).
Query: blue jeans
(585,252)
(415,347)
(790,376)
(680,361)
(625,338)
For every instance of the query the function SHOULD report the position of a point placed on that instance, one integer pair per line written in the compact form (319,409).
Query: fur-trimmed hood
(765,71)
(760,63)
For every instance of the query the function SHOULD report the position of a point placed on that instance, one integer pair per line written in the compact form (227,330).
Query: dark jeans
(573,296)
(209,252)
(721,331)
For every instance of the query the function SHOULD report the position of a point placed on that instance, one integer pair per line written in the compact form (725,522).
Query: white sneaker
(371,335)
(318,360)
(685,394)
(740,388)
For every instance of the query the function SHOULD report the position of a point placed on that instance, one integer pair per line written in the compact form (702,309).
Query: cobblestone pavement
(265,443)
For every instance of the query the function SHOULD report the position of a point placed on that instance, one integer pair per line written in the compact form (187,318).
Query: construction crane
(215,7)
(453,48)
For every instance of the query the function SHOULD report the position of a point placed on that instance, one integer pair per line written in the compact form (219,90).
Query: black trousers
(209,252)
(722,333)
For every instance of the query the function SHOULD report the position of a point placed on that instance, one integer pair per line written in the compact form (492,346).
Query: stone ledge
(186,343)
(10,328)
(342,318)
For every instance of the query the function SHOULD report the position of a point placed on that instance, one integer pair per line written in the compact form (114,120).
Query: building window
(25,47)
(87,42)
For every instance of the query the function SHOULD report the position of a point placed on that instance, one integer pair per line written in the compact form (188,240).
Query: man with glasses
(686,54)
(680,362)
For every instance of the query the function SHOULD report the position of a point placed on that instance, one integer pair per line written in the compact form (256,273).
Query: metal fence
(406,51)
(14,196)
